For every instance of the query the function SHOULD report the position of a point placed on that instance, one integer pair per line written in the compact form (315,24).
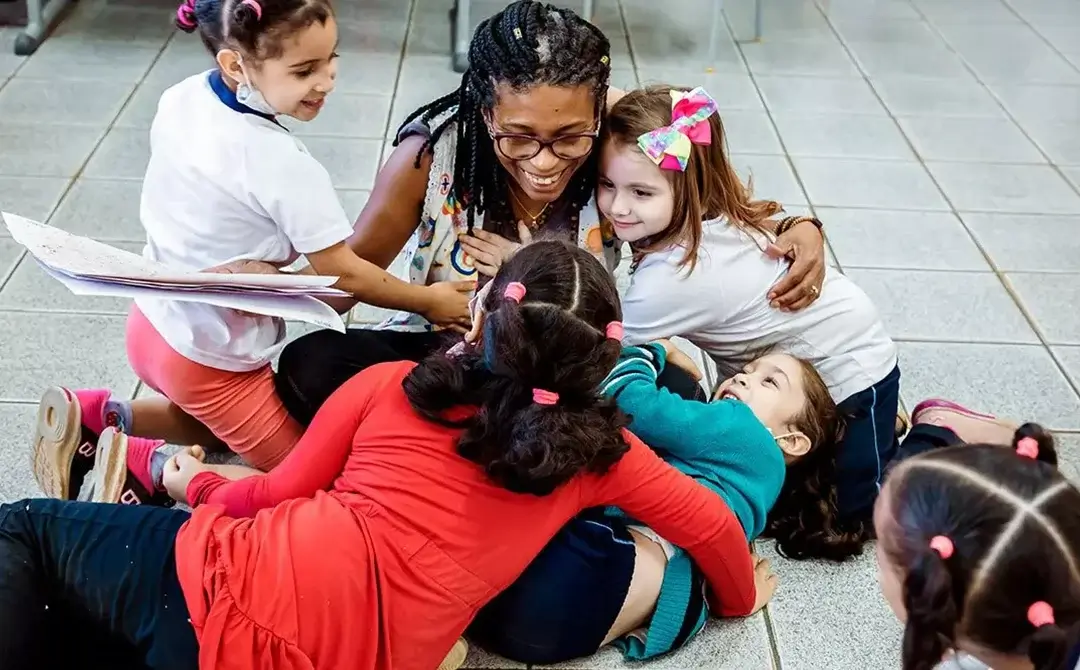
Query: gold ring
(814,290)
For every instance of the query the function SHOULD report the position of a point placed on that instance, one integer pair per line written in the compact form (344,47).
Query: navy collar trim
(228,98)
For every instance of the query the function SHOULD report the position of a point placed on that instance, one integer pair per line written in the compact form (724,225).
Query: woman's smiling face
(545,113)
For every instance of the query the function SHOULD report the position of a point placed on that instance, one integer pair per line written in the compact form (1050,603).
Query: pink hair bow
(669,147)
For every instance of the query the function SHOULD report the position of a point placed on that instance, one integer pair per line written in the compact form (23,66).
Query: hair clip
(1040,614)
(542,397)
(604,60)
(943,546)
(1028,447)
(615,330)
(514,291)
(517,33)
(255,7)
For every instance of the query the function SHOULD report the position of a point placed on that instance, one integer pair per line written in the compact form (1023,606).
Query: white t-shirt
(722,307)
(224,185)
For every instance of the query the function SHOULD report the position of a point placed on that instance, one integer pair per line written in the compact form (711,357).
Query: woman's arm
(686,514)
(804,244)
(316,460)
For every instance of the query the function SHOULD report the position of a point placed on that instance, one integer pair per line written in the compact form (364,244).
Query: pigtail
(1033,441)
(932,613)
(186,20)
(1049,646)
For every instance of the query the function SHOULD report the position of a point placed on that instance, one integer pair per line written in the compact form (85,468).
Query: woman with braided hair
(505,158)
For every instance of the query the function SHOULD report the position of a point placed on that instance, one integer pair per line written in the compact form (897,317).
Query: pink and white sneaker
(69,424)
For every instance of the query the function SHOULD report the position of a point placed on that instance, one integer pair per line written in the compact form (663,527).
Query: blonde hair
(708,189)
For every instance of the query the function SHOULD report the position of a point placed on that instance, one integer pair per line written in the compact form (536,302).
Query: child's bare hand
(244,268)
(180,470)
(448,304)
(765,582)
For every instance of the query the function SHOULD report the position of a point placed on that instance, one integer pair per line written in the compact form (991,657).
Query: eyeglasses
(523,147)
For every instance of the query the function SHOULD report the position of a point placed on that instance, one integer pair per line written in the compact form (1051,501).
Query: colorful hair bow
(669,146)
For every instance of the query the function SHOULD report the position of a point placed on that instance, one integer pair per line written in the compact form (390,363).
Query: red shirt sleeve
(689,516)
(316,460)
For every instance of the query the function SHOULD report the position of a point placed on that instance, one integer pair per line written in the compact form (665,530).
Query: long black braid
(527,44)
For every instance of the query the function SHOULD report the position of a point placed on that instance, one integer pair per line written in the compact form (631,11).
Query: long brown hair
(708,189)
(805,519)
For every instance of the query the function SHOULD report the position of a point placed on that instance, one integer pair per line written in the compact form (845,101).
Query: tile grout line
(1013,295)
(1042,38)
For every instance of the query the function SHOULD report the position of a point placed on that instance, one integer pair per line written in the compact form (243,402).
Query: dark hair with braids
(553,339)
(527,44)
(1006,535)
(257,27)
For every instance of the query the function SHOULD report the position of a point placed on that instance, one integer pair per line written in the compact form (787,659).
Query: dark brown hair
(526,44)
(805,519)
(708,189)
(553,339)
(1014,525)
(258,34)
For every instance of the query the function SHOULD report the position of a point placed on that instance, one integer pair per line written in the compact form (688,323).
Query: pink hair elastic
(1040,614)
(943,546)
(614,330)
(185,14)
(542,397)
(255,7)
(514,291)
(1028,447)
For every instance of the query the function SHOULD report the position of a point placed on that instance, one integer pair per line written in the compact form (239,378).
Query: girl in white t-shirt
(227,187)
(668,189)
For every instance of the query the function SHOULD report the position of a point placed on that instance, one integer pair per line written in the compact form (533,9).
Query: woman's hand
(805,246)
(765,583)
(678,358)
(180,470)
(490,250)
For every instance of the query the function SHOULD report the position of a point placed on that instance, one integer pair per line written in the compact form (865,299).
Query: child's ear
(229,62)
(795,444)
(478,317)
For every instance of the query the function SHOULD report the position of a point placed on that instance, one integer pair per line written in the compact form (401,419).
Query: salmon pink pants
(241,408)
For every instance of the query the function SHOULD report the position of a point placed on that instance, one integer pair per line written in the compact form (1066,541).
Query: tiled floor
(939,140)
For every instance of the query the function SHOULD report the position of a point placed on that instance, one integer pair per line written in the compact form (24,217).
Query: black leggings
(92,585)
(314,366)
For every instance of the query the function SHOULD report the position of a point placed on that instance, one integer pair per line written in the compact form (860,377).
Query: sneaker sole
(56,439)
(939,403)
(457,656)
(110,467)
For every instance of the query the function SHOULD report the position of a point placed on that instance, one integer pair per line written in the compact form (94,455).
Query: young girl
(225,183)
(435,483)
(608,578)
(979,552)
(668,189)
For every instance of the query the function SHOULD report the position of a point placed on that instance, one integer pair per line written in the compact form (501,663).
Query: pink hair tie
(185,14)
(255,7)
(1040,614)
(542,397)
(614,330)
(1028,447)
(943,546)
(514,291)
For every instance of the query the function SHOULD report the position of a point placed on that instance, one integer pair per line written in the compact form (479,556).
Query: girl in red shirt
(416,495)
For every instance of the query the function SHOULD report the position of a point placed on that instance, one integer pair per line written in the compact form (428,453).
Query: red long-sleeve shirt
(374,543)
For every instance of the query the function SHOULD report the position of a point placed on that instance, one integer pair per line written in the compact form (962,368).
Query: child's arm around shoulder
(316,460)
(662,419)
(686,514)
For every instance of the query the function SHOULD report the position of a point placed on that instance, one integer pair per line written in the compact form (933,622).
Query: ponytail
(547,344)
(932,613)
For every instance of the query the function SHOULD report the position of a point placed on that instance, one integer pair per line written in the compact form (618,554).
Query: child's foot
(122,471)
(456,658)
(69,424)
(970,426)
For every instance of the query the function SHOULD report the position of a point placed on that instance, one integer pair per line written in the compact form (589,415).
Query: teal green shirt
(723,446)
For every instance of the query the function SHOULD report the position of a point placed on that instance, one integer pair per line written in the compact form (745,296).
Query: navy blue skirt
(566,601)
